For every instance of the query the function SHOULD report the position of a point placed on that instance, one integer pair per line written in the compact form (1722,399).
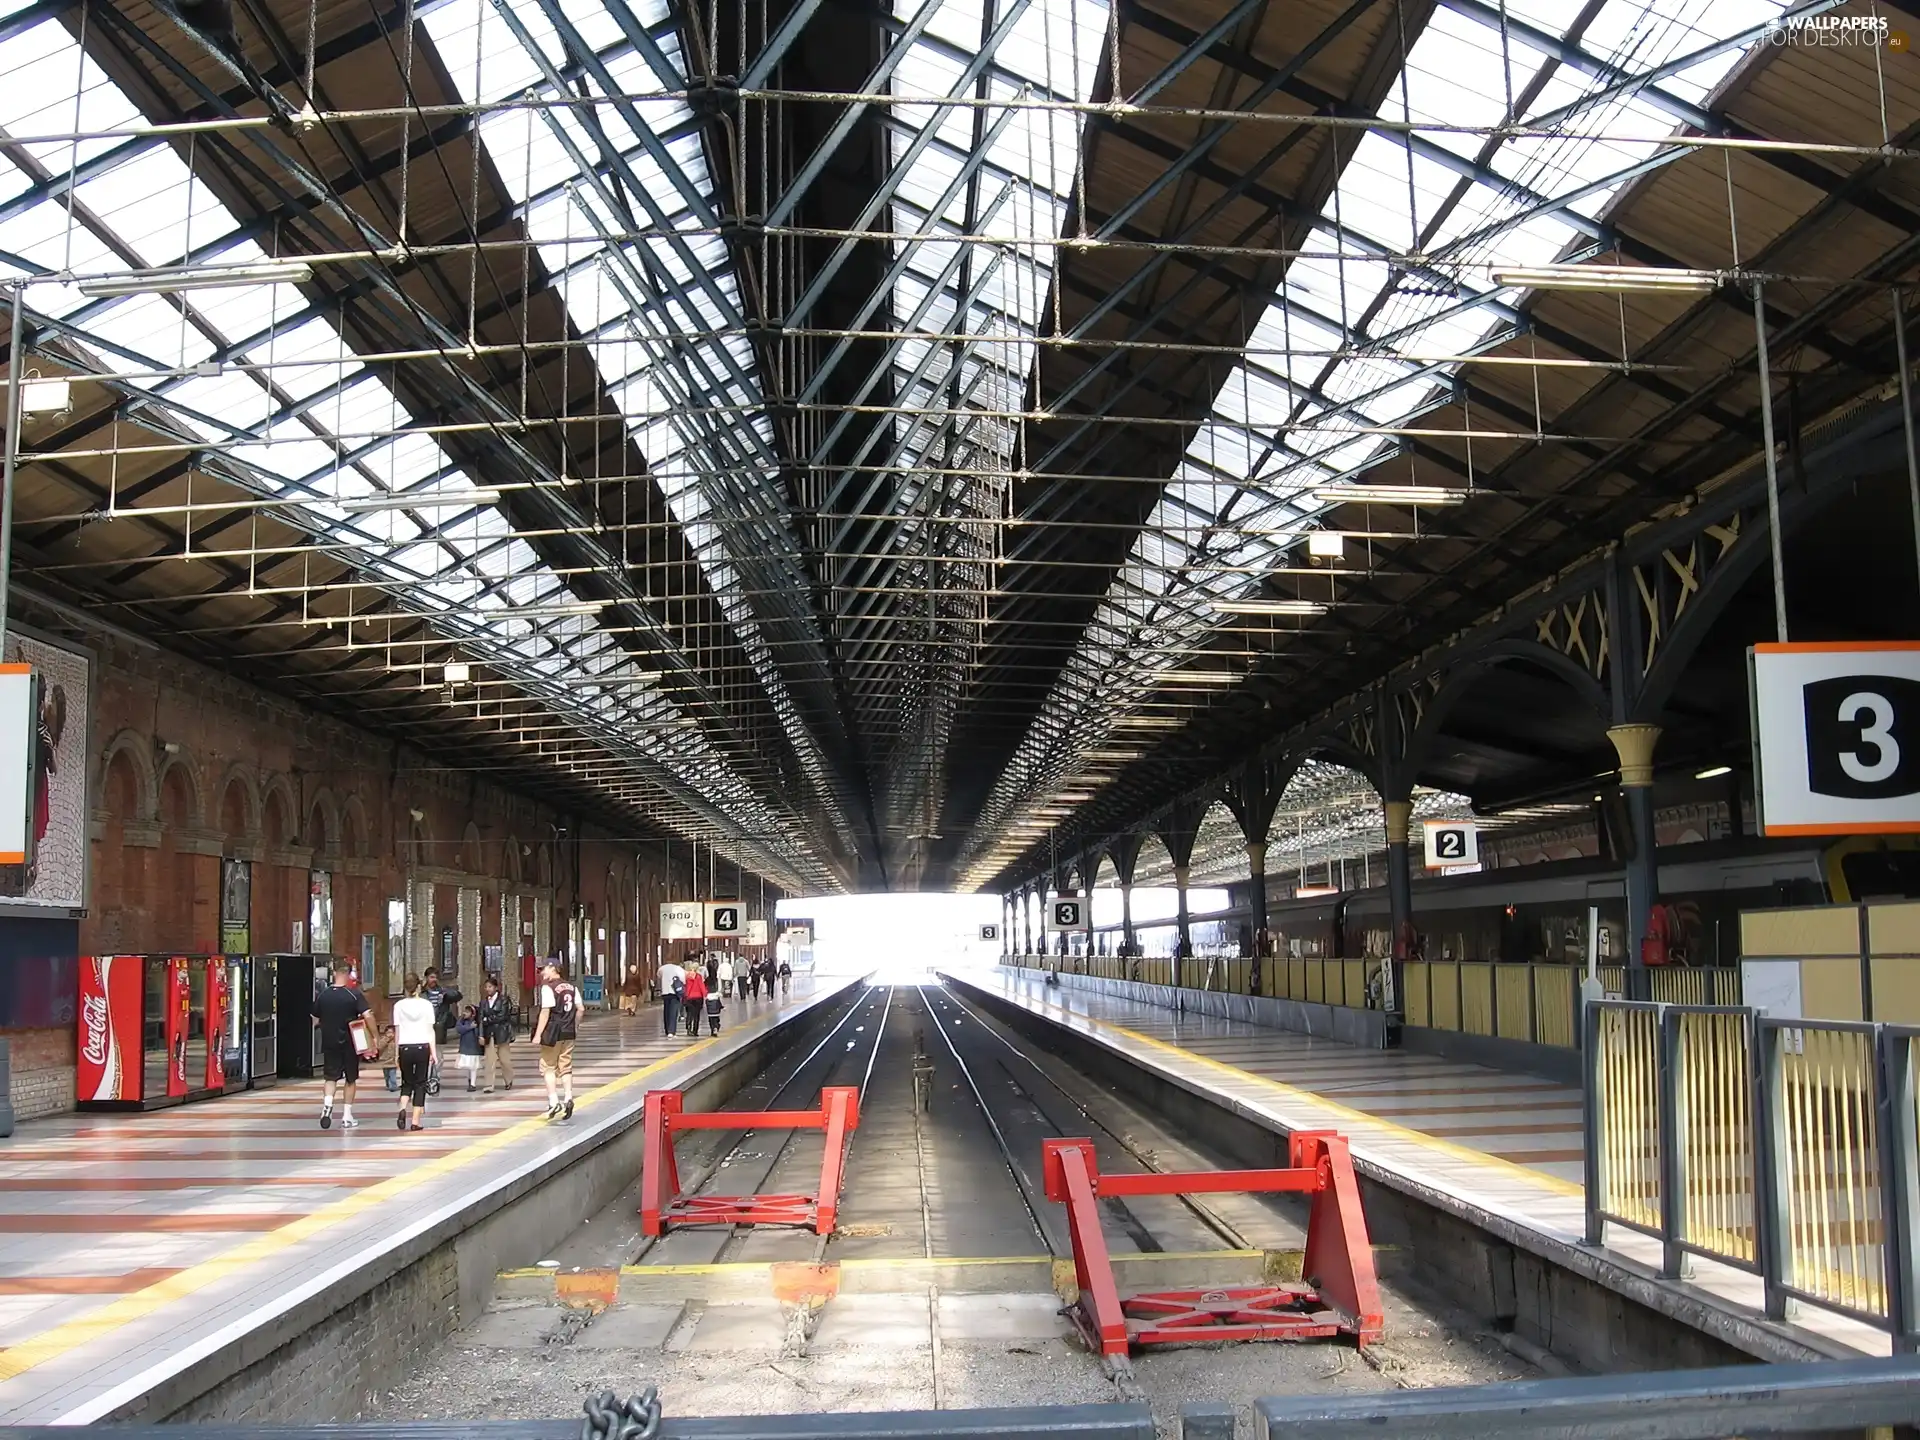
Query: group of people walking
(706,982)
(428,1016)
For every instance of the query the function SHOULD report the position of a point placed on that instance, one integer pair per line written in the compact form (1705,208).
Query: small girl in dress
(472,1044)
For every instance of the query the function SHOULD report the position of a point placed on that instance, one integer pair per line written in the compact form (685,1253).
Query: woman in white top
(413,1022)
(726,974)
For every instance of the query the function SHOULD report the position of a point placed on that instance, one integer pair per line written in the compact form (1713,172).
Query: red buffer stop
(663,1207)
(1338,1294)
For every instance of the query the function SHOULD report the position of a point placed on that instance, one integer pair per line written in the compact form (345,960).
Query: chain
(609,1419)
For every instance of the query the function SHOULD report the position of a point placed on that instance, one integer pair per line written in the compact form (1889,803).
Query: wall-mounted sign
(990,934)
(1452,843)
(756,932)
(1067,912)
(1836,732)
(726,919)
(54,808)
(683,920)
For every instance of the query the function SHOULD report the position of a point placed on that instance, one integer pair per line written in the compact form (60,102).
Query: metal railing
(1785,1147)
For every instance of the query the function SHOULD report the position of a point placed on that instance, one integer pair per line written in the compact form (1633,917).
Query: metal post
(1673,1180)
(1772,1223)
(1592,1121)
(1899,1185)
(14,327)
(1906,414)
(1773,470)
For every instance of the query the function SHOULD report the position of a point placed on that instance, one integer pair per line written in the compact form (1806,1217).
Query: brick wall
(192,768)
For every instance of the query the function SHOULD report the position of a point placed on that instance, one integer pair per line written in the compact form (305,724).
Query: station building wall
(193,769)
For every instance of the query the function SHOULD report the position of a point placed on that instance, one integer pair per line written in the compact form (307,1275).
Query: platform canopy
(893,441)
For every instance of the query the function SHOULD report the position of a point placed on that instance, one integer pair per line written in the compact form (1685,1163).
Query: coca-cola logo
(93,1014)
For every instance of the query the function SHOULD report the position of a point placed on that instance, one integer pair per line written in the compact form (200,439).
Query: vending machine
(144,1037)
(263,1025)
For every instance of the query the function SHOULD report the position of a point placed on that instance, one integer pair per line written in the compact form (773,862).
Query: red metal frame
(1339,1296)
(662,1206)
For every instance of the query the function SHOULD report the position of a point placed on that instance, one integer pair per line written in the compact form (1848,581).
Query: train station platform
(166,1264)
(1499,1151)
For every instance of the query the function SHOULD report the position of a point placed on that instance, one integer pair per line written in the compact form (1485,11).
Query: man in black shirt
(334,1011)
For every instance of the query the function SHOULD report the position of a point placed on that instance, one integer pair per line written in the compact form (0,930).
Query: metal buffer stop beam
(663,1207)
(1339,1293)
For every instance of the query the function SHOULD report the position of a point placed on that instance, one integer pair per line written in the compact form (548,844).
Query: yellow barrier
(1476,998)
(1356,982)
(1444,977)
(1316,981)
(1513,1001)
(1627,1087)
(1716,1135)
(1830,1166)
(1417,1002)
(1553,991)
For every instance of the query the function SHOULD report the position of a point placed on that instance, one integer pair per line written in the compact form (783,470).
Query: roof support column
(1399,816)
(1178,833)
(1635,745)
(1125,854)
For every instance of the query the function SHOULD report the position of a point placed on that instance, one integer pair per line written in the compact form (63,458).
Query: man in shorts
(558,1024)
(334,1011)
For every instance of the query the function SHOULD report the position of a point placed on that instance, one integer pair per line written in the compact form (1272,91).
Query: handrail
(1784,1146)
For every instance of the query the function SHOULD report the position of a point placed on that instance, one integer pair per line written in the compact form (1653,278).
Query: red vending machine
(143,1040)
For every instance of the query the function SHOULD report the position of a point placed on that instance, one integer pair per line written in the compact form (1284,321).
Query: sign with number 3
(1836,732)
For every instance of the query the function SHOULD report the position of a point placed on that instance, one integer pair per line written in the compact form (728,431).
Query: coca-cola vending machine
(144,1037)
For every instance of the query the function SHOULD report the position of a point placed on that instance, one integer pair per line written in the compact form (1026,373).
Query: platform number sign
(725,920)
(1452,844)
(1067,912)
(1836,731)
(989,934)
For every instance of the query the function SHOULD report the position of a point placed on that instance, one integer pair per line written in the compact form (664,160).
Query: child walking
(472,1044)
(714,1004)
(389,1060)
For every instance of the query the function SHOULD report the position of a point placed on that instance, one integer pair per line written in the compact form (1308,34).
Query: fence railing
(1785,1147)
(1538,1003)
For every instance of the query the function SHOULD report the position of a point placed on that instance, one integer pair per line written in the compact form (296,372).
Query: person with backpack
(694,998)
(786,978)
(673,982)
(558,1025)
(714,1005)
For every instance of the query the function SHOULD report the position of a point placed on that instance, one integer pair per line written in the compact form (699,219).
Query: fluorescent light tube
(1644,279)
(1198,677)
(1270,607)
(1714,772)
(200,277)
(1388,495)
(543,612)
(420,500)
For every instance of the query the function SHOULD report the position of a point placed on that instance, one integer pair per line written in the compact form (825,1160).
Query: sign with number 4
(1836,732)
(1452,843)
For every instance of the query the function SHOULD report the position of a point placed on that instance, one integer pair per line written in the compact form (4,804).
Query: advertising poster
(56,874)
(236,907)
